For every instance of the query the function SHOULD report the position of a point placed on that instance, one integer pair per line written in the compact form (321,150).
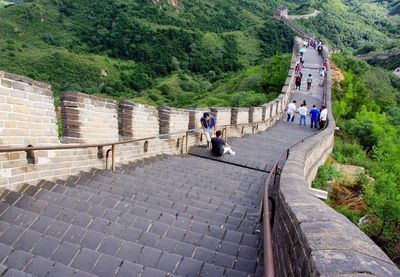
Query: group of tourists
(314,43)
(299,75)
(318,117)
(218,146)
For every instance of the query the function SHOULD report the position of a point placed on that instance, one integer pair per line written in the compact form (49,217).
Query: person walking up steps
(309,81)
(314,113)
(291,110)
(298,81)
(303,113)
(207,123)
(219,146)
(323,117)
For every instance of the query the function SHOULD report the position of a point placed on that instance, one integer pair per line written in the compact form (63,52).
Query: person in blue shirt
(207,123)
(219,146)
(314,113)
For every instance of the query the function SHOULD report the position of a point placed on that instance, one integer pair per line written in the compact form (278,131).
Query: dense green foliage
(353,25)
(326,173)
(136,49)
(367,110)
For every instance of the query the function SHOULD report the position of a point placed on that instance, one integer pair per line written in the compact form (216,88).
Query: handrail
(269,267)
(268,253)
(29,149)
(81,146)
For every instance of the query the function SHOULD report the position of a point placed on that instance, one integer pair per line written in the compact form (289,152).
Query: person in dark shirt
(219,146)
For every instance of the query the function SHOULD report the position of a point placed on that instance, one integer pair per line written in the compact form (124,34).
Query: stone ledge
(23,79)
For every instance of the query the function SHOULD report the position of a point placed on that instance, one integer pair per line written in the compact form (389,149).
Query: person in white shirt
(323,117)
(303,113)
(291,110)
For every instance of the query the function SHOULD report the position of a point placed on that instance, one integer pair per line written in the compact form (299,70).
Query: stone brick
(39,267)
(189,267)
(46,246)
(85,259)
(168,262)
(128,269)
(106,266)
(65,252)
(18,259)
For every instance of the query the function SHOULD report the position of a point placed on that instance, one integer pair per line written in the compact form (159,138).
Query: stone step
(142,230)
(47,255)
(58,234)
(95,205)
(160,202)
(168,191)
(168,187)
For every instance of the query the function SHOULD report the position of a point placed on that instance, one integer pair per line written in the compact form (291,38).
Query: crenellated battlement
(28,118)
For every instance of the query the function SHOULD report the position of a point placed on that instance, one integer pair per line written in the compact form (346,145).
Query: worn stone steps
(99,225)
(112,207)
(90,240)
(173,208)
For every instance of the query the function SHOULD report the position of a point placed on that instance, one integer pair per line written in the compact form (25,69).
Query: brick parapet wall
(27,112)
(256,114)
(222,115)
(173,120)
(239,116)
(310,238)
(88,118)
(137,121)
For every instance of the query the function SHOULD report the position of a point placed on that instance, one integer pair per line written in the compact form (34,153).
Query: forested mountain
(144,50)
(171,51)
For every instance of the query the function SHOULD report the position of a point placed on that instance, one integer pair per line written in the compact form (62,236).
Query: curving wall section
(310,238)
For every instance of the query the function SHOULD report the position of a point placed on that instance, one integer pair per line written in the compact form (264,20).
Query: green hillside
(125,49)
(132,49)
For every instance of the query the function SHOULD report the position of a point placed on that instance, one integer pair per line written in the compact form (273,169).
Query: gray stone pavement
(167,216)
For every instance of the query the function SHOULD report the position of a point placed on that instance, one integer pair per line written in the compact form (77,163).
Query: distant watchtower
(282,11)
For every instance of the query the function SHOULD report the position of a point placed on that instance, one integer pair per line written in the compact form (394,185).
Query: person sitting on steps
(219,146)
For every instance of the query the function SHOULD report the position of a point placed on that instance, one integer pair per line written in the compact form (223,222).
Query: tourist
(309,81)
(298,81)
(291,110)
(314,114)
(297,69)
(323,117)
(302,60)
(303,113)
(322,71)
(207,124)
(219,146)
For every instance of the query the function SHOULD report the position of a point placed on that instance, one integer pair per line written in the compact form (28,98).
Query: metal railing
(185,139)
(270,184)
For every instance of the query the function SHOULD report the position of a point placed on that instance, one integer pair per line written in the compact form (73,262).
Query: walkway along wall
(310,238)
(28,117)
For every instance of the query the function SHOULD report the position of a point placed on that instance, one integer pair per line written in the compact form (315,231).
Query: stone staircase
(188,215)
(153,218)
(295,28)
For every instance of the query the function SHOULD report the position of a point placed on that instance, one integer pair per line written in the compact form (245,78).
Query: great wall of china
(309,238)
